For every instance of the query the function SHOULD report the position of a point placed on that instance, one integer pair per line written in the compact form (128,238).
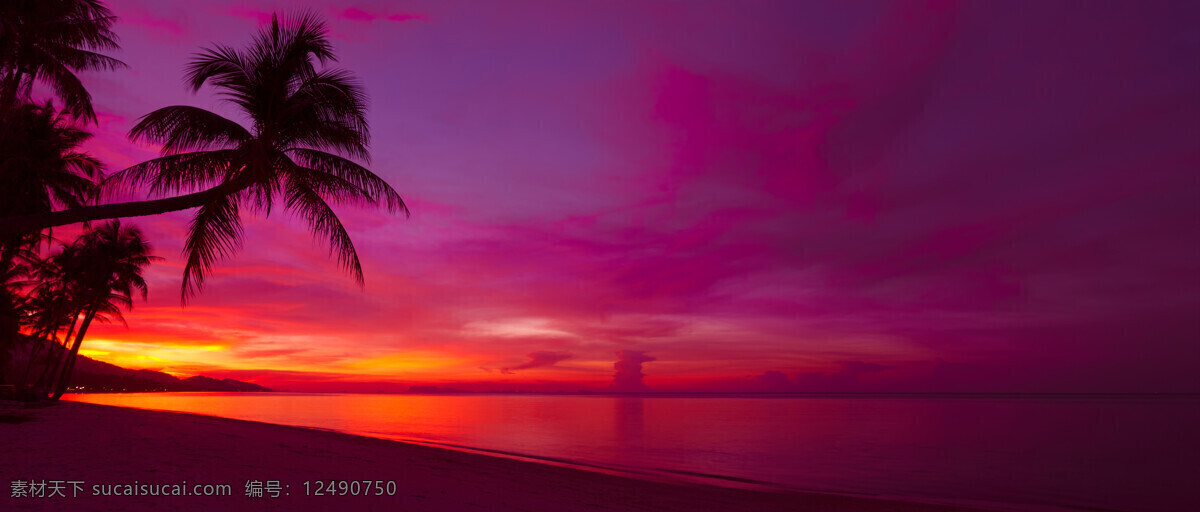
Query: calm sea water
(1115,453)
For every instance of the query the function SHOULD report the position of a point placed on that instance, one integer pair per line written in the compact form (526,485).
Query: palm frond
(215,232)
(181,172)
(106,312)
(76,99)
(72,190)
(79,59)
(182,128)
(376,189)
(328,112)
(335,137)
(221,65)
(48,41)
(82,165)
(322,220)
(40,165)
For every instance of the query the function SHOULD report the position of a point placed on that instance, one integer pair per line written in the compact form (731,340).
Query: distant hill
(211,384)
(97,376)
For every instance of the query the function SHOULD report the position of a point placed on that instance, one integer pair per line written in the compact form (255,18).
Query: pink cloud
(537,360)
(735,189)
(407,17)
(259,16)
(356,14)
(167,26)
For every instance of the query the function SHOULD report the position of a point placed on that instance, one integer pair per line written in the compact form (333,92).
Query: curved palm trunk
(39,221)
(42,386)
(35,351)
(10,326)
(69,365)
(44,339)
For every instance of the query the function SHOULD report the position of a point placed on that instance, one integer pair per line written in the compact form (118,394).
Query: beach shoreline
(107,447)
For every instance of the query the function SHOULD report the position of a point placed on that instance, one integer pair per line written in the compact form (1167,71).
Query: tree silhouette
(14,307)
(100,273)
(48,308)
(41,164)
(48,41)
(41,168)
(44,41)
(308,131)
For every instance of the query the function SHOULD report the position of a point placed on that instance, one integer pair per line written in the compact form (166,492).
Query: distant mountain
(201,382)
(91,375)
(97,376)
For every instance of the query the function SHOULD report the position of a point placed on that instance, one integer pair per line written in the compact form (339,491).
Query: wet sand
(105,449)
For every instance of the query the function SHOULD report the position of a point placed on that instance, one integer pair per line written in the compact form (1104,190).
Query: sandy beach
(105,449)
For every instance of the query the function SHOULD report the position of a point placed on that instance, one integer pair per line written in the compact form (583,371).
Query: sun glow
(518,328)
(144,355)
(420,361)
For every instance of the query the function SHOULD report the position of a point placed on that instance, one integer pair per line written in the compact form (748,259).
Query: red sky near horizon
(722,196)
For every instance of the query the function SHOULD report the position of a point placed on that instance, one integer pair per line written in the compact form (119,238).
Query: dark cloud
(774,380)
(853,376)
(537,360)
(628,376)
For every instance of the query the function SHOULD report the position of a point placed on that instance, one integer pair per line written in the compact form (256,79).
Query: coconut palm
(307,134)
(102,272)
(13,309)
(41,168)
(41,164)
(48,309)
(49,41)
(50,306)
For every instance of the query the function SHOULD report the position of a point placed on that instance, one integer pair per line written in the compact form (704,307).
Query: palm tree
(307,134)
(41,165)
(48,308)
(41,168)
(13,309)
(50,40)
(102,272)
(50,305)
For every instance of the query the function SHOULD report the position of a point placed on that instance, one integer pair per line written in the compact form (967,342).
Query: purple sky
(720,195)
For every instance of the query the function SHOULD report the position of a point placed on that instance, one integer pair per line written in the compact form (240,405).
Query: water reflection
(629,429)
(1114,454)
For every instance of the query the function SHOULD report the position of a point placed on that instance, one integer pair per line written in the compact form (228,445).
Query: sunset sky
(722,196)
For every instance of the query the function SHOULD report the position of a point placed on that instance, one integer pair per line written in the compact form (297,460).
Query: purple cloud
(537,360)
(628,375)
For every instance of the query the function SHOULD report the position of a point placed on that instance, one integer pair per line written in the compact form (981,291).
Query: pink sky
(736,196)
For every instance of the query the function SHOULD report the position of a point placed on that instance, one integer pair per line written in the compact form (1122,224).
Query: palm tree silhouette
(102,271)
(41,164)
(308,131)
(41,168)
(50,40)
(46,309)
(14,308)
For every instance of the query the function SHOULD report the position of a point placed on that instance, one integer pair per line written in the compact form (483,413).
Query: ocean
(1128,453)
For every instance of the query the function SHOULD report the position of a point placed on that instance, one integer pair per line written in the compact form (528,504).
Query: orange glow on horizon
(421,361)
